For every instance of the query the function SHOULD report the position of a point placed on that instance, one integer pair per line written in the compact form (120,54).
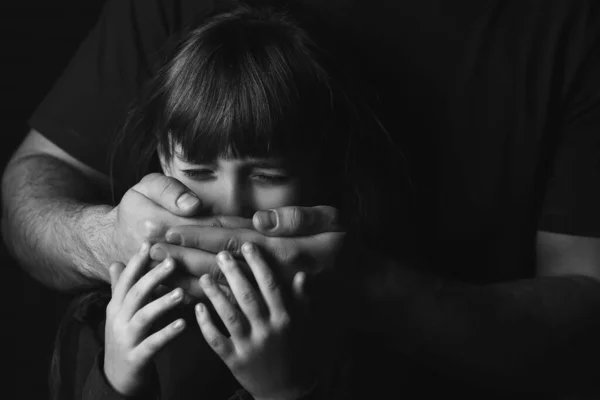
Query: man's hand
(150,208)
(299,238)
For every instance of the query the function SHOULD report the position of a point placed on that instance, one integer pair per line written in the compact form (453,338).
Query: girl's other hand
(129,316)
(263,351)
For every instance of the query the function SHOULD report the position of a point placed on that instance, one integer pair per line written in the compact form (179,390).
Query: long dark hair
(266,81)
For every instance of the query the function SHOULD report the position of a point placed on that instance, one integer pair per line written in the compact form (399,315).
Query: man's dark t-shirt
(495,103)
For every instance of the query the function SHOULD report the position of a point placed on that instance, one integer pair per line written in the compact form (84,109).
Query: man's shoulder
(149,15)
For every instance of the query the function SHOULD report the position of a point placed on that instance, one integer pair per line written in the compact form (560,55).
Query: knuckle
(332,217)
(146,180)
(263,336)
(288,255)
(296,217)
(283,321)
(214,342)
(271,283)
(248,296)
(232,318)
(215,222)
(236,364)
(168,184)
(142,318)
(207,221)
(136,294)
(154,342)
(151,229)
(232,245)
(151,177)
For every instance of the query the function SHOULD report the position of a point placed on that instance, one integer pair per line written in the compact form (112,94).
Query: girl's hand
(129,317)
(261,352)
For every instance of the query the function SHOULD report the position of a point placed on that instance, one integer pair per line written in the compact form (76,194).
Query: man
(497,107)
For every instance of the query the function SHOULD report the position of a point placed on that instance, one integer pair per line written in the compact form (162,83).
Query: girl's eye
(198,174)
(273,179)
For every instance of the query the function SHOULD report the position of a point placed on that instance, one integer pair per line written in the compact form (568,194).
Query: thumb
(297,221)
(170,194)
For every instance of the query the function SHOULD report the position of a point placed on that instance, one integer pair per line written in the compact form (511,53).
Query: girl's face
(240,186)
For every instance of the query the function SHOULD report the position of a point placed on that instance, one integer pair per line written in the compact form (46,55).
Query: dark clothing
(495,103)
(186,368)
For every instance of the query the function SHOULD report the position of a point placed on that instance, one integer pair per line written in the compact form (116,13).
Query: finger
(215,339)
(189,284)
(268,285)
(192,291)
(131,273)
(143,319)
(299,292)
(297,221)
(229,314)
(185,234)
(213,239)
(148,348)
(298,286)
(142,289)
(169,193)
(115,270)
(193,261)
(246,297)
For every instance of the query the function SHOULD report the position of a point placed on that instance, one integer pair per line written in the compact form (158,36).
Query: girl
(250,114)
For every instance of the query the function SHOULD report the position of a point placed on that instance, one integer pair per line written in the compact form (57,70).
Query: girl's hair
(266,81)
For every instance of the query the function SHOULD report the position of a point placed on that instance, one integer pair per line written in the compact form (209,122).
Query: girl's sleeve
(81,366)
(97,387)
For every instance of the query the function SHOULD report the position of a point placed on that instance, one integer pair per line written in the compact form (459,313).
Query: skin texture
(129,343)
(47,194)
(267,351)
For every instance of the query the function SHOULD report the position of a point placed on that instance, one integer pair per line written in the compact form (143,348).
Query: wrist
(143,387)
(96,226)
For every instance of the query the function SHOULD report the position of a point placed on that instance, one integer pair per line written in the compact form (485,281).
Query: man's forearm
(53,224)
(538,334)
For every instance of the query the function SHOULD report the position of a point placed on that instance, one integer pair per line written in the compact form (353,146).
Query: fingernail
(266,219)
(144,248)
(248,247)
(159,254)
(168,264)
(223,256)
(174,238)
(205,280)
(176,295)
(178,324)
(199,308)
(187,200)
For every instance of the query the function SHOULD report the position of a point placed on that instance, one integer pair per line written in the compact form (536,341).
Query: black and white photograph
(300,199)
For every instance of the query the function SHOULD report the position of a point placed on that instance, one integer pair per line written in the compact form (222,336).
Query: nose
(234,200)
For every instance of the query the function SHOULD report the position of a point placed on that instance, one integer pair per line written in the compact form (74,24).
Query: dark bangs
(246,84)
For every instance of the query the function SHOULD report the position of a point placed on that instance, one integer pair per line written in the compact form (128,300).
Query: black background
(38,39)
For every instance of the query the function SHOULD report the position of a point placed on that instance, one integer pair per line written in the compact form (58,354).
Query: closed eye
(271,178)
(199,174)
